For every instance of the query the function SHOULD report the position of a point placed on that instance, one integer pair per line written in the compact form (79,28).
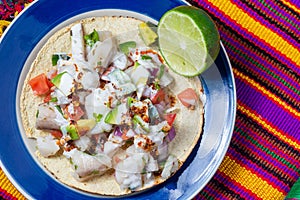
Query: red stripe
(273,172)
(260,72)
(215,195)
(254,15)
(283,133)
(271,146)
(255,173)
(267,96)
(5,195)
(241,188)
(226,18)
(267,62)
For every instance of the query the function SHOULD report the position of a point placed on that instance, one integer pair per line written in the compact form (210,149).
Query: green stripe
(206,195)
(262,68)
(279,14)
(266,150)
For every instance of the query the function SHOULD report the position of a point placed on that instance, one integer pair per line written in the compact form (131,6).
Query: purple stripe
(263,21)
(248,146)
(296,3)
(260,59)
(291,21)
(259,43)
(262,138)
(267,109)
(255,169)
(255,57)
(5,195)
(278,166)
(233,185)
(286,13)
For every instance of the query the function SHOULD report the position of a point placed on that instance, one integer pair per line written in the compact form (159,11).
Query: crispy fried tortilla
(188,123)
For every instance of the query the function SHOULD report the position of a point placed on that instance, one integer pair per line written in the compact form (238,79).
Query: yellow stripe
(249,180)
(3,24)
(268,127)
(247,22)
(266,92)
(291,6)
(6,185)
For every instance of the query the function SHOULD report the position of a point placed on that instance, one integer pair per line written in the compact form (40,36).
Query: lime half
(188,39)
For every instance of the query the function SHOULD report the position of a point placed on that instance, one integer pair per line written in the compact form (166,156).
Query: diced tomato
(56,133)
(76,115)
(170,118)
(40,85)
(47,98)
(158,97)
(50,76)
(50,84)
(188,98)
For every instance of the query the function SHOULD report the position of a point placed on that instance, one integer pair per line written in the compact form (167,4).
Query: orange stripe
(259,30)
(267,126)
(249,180)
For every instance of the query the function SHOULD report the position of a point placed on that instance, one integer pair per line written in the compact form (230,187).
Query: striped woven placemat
(262,39)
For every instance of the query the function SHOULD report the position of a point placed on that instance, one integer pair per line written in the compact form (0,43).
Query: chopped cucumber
(127,46)
(138,120)
(115,115)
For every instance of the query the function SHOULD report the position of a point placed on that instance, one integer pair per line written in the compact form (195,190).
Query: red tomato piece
(56,134)
(47,98)
(51,75)
(40,85)
(76,114)
(170,118)
(158,97)
(188,97)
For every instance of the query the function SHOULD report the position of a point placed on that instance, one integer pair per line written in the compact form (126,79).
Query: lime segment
(188,40)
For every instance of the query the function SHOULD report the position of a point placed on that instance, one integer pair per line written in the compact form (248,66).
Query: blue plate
(18,47)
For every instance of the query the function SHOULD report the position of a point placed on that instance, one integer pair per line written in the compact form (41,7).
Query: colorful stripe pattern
(7,190)
(8,10)
(262,39)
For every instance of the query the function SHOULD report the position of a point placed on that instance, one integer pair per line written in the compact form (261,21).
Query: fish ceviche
(107,106)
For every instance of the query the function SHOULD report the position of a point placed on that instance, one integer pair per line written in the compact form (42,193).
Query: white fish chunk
(102,53)
(86,165)
(47,146)
(78,48)
(49,118)
(90,80)
(171,166)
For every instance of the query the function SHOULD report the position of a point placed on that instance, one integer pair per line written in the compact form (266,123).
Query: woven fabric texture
(262,39)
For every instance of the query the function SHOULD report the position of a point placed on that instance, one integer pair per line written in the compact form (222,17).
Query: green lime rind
(181,22)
